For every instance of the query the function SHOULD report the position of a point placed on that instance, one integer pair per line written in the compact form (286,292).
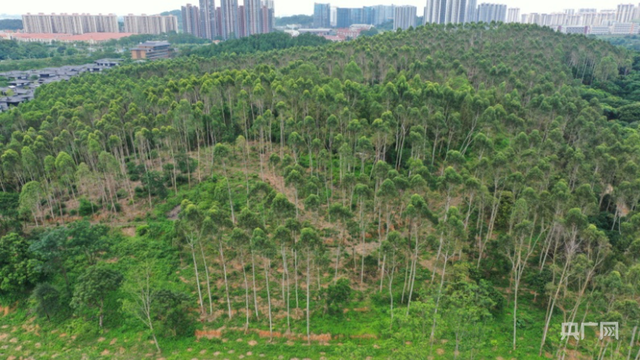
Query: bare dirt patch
(129,231)
(173,214)
(209,334)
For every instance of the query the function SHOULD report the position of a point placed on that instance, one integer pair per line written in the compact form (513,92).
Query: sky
(282,7)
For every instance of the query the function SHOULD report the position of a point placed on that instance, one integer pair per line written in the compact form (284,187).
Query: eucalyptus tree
(192,227)
(309,242)
(66,168)
(294,227)
(250,221)
(240,241)
(392,248)
(340,214)
(363,192)
(222,153)
(453,230)
(260,240)
(574,223)
(295,180)
(417,211)
(93,287)
(30,200)
(282,236)
(521,243)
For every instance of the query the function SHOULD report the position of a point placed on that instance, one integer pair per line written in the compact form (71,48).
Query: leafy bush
(337,296)
(86,208)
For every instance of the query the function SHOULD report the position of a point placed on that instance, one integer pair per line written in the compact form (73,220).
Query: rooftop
(88,37)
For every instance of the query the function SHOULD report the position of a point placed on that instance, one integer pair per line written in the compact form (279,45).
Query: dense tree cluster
(10,24)
(16,50)
(304,20)
(417,167)
(259,43)
(172,37)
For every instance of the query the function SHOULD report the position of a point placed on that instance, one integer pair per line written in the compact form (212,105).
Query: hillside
(441,192)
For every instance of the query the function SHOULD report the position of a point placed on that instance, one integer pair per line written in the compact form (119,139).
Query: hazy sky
(283,7)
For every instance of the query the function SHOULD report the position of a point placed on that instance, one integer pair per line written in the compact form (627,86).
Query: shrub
(87,208)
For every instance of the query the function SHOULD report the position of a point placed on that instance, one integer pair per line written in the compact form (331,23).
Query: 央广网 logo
(576,330)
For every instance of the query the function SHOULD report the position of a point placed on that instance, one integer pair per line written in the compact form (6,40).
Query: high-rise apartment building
(321,15)
(535,18)
(492,12)
(383,13)
(513,15)
(368,15)
(357,16)
(343,17)
(229,19)
(456,11)
(191,20)
(607,18)
(268,16)
(334,16)
(74,24)
(405,17)
(242,23)
(207,21)
(253,17)
(589,19)
(449,11)
(625,13)
(150,24)
(472,11)
(434,12)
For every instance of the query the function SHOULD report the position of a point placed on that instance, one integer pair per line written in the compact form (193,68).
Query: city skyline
(284,8)
(229,20)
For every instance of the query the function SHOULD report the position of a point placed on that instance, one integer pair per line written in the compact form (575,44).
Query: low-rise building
(584,30)
(152,50)
(23,84)
(318,31)
(624,29)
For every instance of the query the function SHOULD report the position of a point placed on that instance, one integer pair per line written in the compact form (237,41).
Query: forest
(258,43)
(10,24)
(449,192)
(303,20)
(14,50)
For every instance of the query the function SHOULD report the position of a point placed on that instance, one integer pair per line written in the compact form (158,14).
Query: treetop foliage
(417,172)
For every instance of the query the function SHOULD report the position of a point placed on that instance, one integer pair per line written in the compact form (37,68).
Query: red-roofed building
(91,38)
(333,38)
(348,33)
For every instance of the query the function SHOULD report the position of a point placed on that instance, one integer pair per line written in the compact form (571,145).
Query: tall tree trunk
(308,296)
(414,270)
(246,294)
(195,269)
(255,296)
(435,311)
(551,307)
(266,273)
(226,283)
(206,272)
(285,273)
